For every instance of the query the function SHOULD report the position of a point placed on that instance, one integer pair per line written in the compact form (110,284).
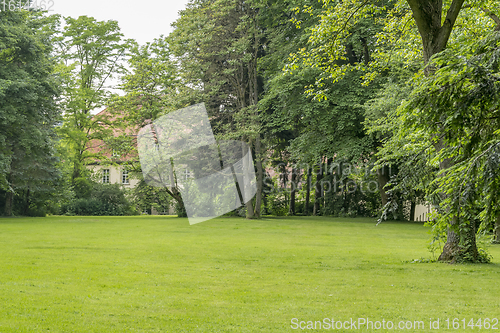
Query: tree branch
(449,22)
(493,16)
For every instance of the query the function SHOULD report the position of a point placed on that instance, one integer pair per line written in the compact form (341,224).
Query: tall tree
(28,110)
(434,22)
(218,44)
(151,90)
(459,105)
(435,34)
(92,52)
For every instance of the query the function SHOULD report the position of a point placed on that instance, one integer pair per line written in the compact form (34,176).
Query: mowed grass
(159,274)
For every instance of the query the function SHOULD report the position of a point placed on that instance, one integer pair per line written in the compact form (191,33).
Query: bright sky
(141,20)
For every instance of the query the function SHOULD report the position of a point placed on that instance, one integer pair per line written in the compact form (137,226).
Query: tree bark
(493,16)
(428,17)
(435,35)
(260,176)
(308,190)
(27,202)
(293,190)
(8,204)
(317,193)
(451,247)
(412,210)
(461,243)
(366,51)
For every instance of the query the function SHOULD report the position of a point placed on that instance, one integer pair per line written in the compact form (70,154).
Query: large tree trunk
(250,211)
(435,34)
(451,247)
(461,245)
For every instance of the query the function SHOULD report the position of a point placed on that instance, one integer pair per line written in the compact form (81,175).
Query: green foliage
(82,187)
(350,196)
(145,197)
(149,85)
(451,119)
(379,36)
(28,110)
(104,199)
(277,203)
(91,53)
(180,210)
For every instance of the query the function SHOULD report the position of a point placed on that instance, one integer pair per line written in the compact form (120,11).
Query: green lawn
(159,274)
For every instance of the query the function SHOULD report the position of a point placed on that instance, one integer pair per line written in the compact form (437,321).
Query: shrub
(105,199)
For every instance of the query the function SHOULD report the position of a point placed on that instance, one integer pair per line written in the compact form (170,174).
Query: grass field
(159,274)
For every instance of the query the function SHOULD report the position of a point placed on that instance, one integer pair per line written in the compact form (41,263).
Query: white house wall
(115,175)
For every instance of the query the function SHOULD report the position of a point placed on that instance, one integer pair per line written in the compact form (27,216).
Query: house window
(125,177)
(115,154)
(187,174)
(105,176)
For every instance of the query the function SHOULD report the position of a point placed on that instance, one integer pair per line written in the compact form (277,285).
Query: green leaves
(458,109)
(28,111)
(92,53)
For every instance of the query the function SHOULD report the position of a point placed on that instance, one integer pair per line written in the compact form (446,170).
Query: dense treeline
(351,108)
(28,112)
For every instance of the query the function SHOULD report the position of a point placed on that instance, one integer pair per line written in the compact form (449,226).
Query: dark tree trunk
(293,190)
(366,51)
(250,211)
(383,178)
(27,202)
(413,204)
(317,193)
(9,197)
(469,249)
(435,33)
(308,190)
(351,55)
(464,247)
(177,196)
(260,176)
(451,247)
